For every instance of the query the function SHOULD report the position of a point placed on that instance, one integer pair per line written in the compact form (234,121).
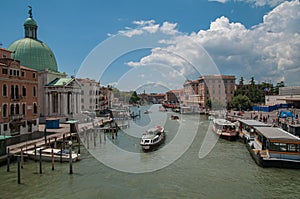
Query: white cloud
(168,28)
(255,2)
(268,51)
(150,27)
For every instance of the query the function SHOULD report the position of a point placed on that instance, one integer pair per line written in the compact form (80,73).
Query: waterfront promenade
(53,136)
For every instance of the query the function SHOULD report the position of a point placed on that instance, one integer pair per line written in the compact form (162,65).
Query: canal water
(228,171)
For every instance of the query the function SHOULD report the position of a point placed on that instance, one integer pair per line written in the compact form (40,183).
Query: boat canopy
(272,133)
(253,123)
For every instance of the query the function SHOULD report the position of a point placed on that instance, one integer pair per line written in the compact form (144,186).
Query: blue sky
(243,38)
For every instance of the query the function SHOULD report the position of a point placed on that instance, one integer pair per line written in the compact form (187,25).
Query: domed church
(58,95)
(32,52)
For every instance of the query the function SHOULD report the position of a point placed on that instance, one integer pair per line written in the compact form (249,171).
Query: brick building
(19,96)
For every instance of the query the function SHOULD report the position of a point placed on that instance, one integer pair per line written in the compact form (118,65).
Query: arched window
(17,109)
(23,109)
(12,109)
(34,91)
(23,91)
(4,110)
(17,91)
(12,92)
(4,90)
(34,108)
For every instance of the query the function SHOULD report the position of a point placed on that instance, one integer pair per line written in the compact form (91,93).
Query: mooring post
(78,140)
(100,137)
(70,157)
(88,140)
(52,156)
(19,170)
(94,134)
(64,141)
(35,152)
(55,144)
(22,160)
(60,154)
(8,159)
(41,161)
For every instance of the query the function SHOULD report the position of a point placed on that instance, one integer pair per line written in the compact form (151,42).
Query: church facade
(58,95)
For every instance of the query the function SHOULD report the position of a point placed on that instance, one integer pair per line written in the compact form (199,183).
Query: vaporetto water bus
(152,138)
(274,147)
(225,129)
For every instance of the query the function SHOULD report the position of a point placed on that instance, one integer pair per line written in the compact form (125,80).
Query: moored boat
(58,155)
(224,129)
(274,147)
(246,128)
(152,138)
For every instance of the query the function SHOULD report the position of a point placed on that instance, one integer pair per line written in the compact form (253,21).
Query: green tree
(208,103)
(241,81)
(278,85)
(134,98)
(240,102)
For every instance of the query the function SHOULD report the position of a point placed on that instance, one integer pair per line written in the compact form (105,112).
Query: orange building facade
(18,96)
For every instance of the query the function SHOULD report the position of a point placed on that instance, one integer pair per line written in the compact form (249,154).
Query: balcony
(16,117)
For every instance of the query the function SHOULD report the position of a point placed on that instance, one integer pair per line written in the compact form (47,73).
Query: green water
(226,172)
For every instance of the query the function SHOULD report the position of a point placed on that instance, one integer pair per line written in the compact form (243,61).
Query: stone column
(59,105)
(46,102)
(50,104)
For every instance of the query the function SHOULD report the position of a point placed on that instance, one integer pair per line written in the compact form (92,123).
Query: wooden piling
(70,158)
(88,140)
(19,170)
(64,141)
(55,143)
(41,161)
(8,160)
(22,159)
(52,158)
(61,148)
(78,141)
(94,134)
(35,153)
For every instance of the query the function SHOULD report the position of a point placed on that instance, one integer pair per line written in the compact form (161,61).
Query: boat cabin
(246,128)
(277,143)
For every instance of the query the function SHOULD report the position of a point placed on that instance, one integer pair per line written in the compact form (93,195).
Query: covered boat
(225,129)
(152,138)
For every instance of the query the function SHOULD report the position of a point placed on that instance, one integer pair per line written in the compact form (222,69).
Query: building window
(82,100)
(23,91)
(5,127)
(34,108)
(12,109)
(33,75)
(17,109)
(12,92)
(82,92)
(4,110)
(4,90)
(4,71)
(17,91)
(34,91)
(22,73)
(18,73)
(23,109)
(10,72)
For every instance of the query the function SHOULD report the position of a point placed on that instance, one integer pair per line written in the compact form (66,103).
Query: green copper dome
(30,21)
(33,54)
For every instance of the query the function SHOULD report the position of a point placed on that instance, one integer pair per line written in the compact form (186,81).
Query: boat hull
(150,147)
(280,163)
(48,157)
